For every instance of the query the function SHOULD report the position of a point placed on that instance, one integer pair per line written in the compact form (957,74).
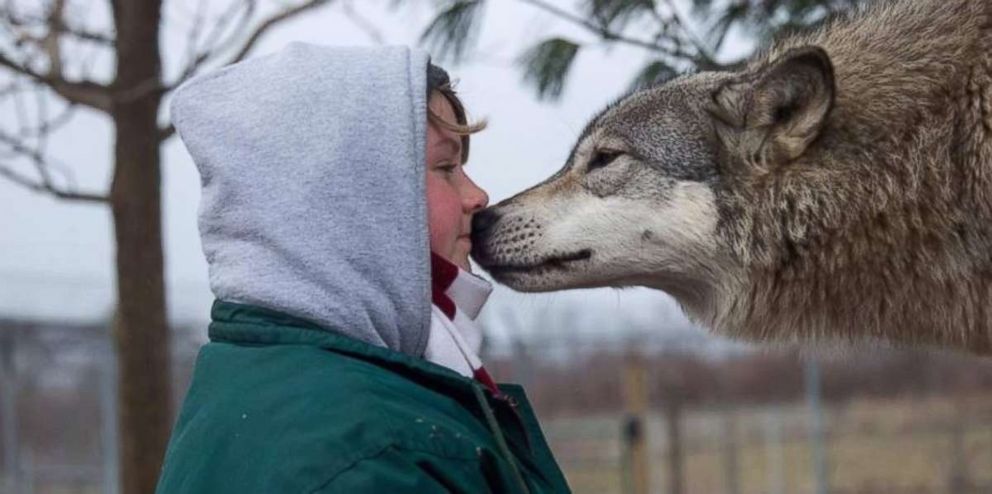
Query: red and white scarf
(455,338)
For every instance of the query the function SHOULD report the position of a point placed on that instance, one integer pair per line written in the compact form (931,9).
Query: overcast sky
(56,258)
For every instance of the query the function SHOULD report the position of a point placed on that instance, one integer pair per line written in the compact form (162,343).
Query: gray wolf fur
(837,186)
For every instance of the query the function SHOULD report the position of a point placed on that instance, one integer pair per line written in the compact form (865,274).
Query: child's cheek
(445,214)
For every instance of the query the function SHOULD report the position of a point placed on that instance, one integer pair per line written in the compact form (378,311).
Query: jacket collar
(239,323)
(452,286)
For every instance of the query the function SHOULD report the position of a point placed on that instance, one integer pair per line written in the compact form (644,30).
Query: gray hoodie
(312,167)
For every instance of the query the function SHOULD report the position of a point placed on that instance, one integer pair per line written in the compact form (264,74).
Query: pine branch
(610,35)
(361,22)
(454,29)
(653,73)
(547,64)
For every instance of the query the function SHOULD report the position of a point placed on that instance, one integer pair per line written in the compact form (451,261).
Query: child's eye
(447,168)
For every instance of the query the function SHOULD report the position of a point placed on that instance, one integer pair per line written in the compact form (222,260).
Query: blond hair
(461,126)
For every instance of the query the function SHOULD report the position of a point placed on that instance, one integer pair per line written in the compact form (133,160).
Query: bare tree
(50,53)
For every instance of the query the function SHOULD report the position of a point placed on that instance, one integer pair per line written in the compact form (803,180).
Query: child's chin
(460,259)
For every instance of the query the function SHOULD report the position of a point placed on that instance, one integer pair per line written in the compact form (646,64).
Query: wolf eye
(602,158)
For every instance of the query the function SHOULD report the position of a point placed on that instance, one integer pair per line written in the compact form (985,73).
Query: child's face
(452,198)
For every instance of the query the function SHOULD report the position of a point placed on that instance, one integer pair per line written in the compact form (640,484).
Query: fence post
(817,433)
(731,469)
(958,481)
(676,460)
(634,434)
(28,471)
(774,453)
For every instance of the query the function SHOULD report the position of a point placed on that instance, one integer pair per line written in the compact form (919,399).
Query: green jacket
(279,405)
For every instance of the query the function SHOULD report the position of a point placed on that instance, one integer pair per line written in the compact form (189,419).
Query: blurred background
(103,289)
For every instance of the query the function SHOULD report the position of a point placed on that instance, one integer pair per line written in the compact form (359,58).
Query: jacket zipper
(513,405)
(500,438)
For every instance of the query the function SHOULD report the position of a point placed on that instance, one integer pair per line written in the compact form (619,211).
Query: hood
(312,167)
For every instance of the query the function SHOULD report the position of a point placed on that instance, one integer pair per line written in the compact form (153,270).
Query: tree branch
(362,23)
(703,54)
(43,124)
(213,52)
(63,27)
(45,185)
(50,41)
(47,189)
(213,44)
(91,36)
(564,14)
(166,132)
(271,22)
(86,93)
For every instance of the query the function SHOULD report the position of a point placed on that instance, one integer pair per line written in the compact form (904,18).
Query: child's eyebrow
(451,145)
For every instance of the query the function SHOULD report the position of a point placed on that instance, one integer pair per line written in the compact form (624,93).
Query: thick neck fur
(883,227)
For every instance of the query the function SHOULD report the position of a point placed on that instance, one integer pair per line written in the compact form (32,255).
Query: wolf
(837,186)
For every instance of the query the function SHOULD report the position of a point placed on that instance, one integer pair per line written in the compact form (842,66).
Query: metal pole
(817,432)
(958,479)
(774,452)
(108,421)
(8,411)
(731,468)
(29,471)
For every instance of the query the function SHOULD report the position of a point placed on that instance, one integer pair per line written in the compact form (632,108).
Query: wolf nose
(483,220)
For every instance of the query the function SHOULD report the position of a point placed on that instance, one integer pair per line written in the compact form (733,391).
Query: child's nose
(476,198)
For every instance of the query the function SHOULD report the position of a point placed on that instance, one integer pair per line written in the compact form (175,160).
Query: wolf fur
(838,186)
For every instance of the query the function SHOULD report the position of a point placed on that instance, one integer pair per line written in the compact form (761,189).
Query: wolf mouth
(556,262)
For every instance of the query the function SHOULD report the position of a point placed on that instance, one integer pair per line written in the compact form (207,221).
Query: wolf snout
(482,223)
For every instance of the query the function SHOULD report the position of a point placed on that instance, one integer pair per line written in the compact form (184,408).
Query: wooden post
(635,440)
(958,480)
(731,468)
(676,453)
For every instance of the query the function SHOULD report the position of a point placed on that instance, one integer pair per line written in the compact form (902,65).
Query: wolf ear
(772,115)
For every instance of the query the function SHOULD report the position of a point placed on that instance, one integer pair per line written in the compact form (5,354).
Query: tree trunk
(141,331)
